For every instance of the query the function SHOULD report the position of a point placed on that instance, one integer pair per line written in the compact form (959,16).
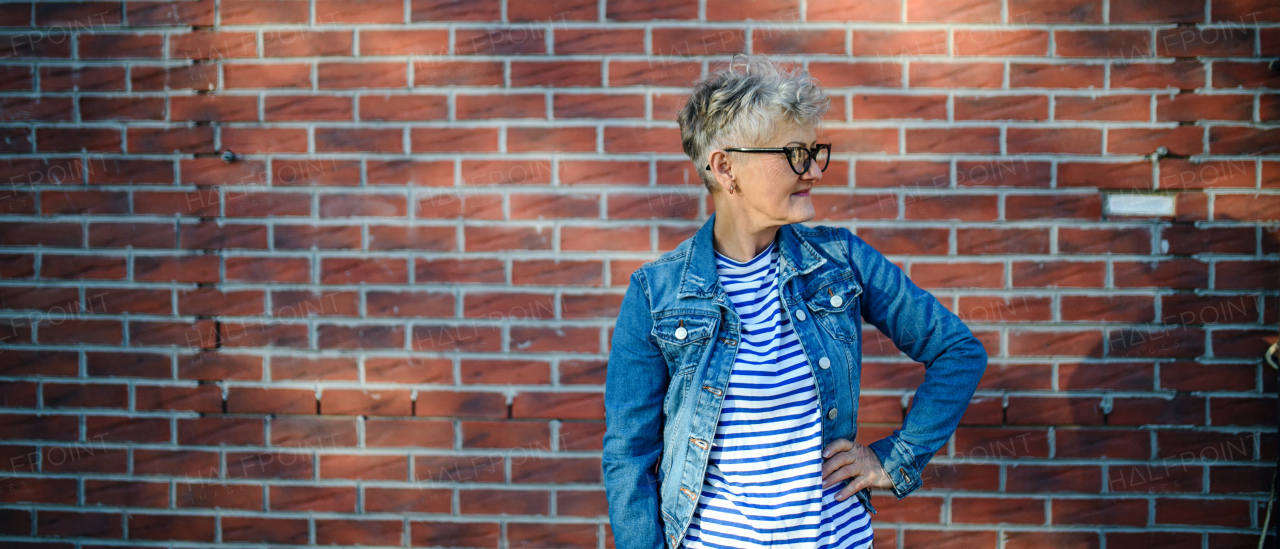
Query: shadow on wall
(1138,437)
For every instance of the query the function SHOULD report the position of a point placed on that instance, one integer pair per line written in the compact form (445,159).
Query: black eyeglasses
(798,156)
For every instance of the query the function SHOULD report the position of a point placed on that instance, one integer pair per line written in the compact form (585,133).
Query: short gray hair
(741,102)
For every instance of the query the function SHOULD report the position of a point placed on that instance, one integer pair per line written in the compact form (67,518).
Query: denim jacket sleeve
(635,388)
(954,362)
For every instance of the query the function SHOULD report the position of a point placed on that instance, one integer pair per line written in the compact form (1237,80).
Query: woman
(733,376)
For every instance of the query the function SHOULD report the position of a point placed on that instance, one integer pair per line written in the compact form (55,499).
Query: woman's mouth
(801,193)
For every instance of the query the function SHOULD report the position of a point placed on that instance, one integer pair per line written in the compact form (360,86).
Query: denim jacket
(673,349)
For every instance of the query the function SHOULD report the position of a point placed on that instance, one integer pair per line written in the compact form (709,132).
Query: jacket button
(800,315)
(824,362)
(681,332)
(831,414)
(836,301)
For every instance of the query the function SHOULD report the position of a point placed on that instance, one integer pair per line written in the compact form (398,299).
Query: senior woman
(733,377)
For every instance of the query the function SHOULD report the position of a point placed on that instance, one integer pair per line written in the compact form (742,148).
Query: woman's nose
(814,172)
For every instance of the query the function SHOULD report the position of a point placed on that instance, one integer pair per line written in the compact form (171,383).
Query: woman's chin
(802,211)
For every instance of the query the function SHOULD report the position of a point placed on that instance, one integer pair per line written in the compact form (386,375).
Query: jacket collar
(699,277)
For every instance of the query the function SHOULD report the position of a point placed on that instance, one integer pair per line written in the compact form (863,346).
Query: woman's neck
(738,241)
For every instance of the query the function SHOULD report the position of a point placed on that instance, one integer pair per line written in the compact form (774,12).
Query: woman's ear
(718,163)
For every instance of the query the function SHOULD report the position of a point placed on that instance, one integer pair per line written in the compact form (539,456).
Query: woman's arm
(635,387)
(928,332)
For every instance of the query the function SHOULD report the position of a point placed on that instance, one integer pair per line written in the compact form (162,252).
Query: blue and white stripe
(763,484)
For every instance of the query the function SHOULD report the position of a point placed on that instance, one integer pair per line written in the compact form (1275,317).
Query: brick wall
(385,321)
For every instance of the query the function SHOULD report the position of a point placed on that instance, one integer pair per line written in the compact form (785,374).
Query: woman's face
(767,190)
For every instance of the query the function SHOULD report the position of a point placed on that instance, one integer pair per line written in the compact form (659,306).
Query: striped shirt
(763,486)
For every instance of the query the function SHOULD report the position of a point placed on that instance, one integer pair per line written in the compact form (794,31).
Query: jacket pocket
(833,307)
(682,338)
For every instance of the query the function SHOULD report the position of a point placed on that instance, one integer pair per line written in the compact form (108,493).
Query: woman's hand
(845,459)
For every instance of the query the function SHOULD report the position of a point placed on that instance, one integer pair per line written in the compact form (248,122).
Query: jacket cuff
(900,463)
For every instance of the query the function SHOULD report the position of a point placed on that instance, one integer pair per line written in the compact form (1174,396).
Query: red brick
(1182,376)
(1205,42)
(1054,478)
(953,140)
(598,106)
(1243,141)
(359,11)
(540,206)
(212,44)
(172,527)
(854,10)
(551,12)
(1176,273)
(513,40)
(961,75)
(1001,41)
(732,10)
(1055,11)
(1136,376)
(1109,44)
(645,73)
(240,12)
(1177,11)
(403,107)
(880,107)
(360,75)
(1185,75)
(600,40)
(473,534)
(355,532)
(1058,206)
(1002,241)
(549,272)
(912,43)
(1114,107)
(868,140)
(603,173)
(445,10)
(291,43)
(403,42)
(1016,107)
(639,10)
(686,41)
(1190,107)
(1180,410)
(958,275)
(1102,443)
(558,406)
(561,535)
(1244,10)
(1058,140)
(953,11)
(557,73)
(1002,510)
(1039,343)
(642,140)
(453,139)
(457,73)
(1215,512)
(382,432)
(837,75)
(792,42)
(365,403)
(1130,175)
(1028,539)
(529,139)
(1244,74)
(501,106)
(1027,75)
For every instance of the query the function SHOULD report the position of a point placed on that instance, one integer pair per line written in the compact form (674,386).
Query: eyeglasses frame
(813,153)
